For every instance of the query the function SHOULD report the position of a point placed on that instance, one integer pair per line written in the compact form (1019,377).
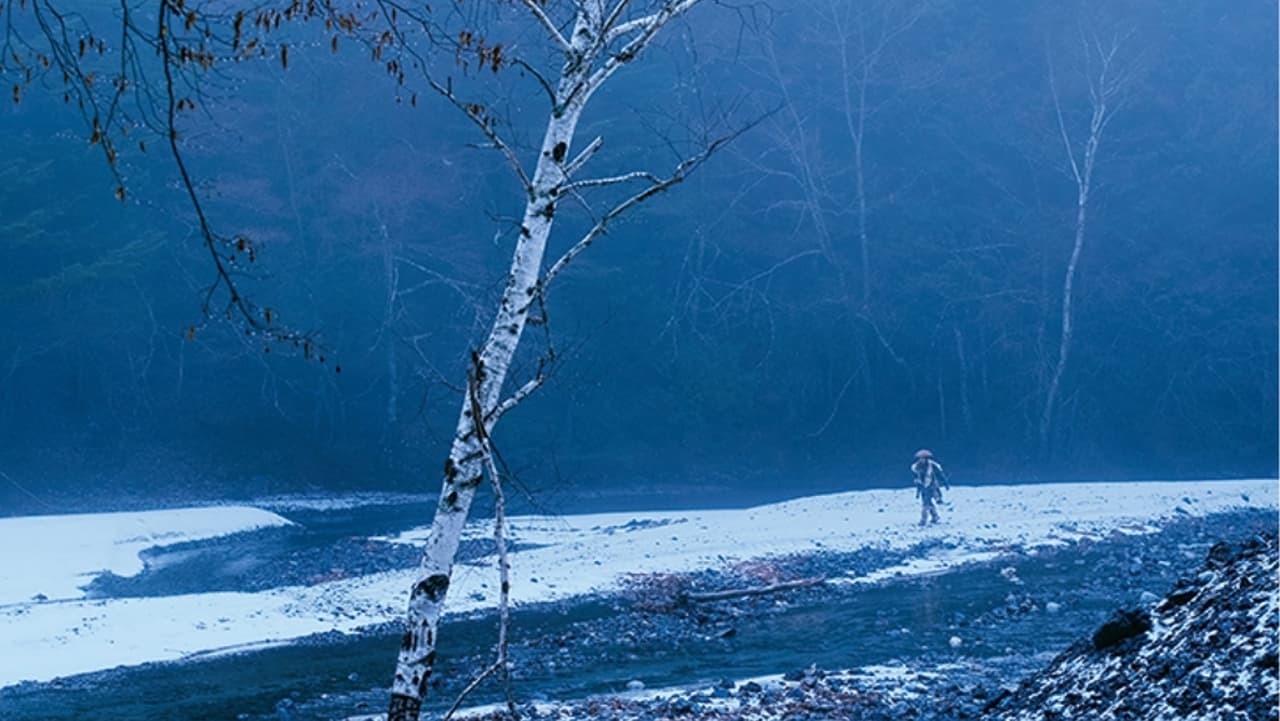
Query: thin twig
(581,159)
(614,180)
(677,176)
(547,25)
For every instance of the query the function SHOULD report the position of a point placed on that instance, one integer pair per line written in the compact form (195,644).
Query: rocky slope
(1207,651)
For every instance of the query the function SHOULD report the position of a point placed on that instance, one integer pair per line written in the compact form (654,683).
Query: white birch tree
(1105,81)
(590,40)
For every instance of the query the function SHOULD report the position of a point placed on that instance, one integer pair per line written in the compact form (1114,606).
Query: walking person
(929,480)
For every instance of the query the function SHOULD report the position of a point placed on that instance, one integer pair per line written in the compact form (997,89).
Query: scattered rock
(1122,626)
(1203,663)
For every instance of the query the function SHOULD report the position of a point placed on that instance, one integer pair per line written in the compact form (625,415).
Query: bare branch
(614,16)
(648,24)
(475,683)
(744,285)
(1062,125)
(521,393)
(581,159)
(481,424)
(602,225)
(542,80)
(647,28)
(475,113)
(624,178)
(550,27)
(628,27)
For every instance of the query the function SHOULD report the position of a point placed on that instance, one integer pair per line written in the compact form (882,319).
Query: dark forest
(876,264)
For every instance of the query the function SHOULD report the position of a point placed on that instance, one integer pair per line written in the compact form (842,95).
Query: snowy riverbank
(568,557)
(50,558)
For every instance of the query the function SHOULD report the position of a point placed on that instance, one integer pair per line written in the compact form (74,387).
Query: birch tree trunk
(1064,340)
(464,469)
(1104,84)
(602,40)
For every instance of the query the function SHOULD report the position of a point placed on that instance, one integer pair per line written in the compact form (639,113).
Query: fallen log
(755,590)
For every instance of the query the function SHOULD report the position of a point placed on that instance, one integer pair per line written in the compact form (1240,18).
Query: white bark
(588,63)
(464,470)
(1102,90)
(502,664)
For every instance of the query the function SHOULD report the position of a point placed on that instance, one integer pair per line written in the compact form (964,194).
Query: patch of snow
(935,563)
(54,556)
(340,503)
(562,557)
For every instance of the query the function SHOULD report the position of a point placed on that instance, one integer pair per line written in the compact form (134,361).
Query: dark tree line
(878,266)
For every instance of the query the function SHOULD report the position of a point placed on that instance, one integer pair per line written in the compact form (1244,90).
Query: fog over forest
(875,264)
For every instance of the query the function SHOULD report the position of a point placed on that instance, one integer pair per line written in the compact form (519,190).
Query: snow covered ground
(563,557)
(313,502)
(53,556)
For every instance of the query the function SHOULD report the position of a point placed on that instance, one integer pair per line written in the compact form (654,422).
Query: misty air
(639,360)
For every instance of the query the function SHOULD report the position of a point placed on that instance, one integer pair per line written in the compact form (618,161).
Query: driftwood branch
(754,590)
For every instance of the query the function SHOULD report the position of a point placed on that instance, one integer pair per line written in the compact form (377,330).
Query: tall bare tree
(1105,79)
(590,41)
